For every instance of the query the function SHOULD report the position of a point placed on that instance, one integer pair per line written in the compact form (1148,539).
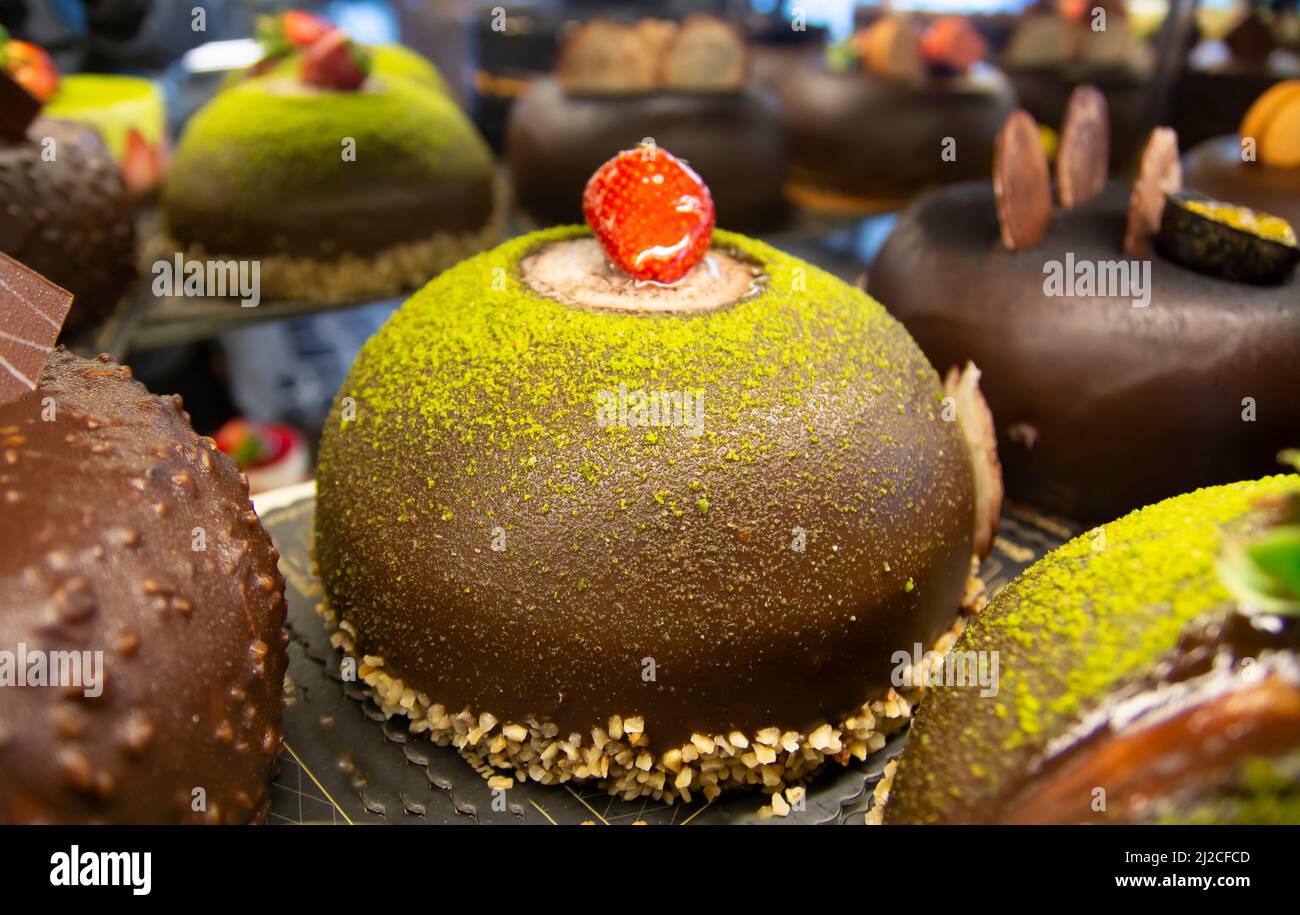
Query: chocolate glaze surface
(555,141)
(68,218)
(1045,93)
(476,423)
(858,134)
(103,506)
(1100,406)
(1215,168)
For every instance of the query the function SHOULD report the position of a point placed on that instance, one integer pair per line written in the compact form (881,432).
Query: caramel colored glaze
(1122,644)
(599,574)
(102,505)
(1254,719)
(1215,169)
(733,140)
(69,218)
(854,133)
(1100,406)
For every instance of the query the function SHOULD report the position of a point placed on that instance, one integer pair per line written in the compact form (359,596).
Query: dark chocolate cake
(1100,406)
(126,533)
(67,215)
(666,602)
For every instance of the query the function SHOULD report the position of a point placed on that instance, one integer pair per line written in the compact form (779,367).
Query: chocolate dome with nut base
(1140,681)
(341,194)
(127,534)
(665,537)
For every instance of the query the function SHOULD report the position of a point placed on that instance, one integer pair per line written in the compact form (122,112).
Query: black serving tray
(343,764)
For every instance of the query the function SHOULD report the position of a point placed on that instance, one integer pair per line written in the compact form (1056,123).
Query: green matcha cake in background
(344,182)
(129,114)
(651,508)
(1149,672)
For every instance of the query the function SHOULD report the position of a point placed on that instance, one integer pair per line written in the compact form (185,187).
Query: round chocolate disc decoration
(1158,174)
(1021,182)
(1082,163)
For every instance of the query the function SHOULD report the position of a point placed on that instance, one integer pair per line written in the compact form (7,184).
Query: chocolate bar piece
(18,108)
(32,310)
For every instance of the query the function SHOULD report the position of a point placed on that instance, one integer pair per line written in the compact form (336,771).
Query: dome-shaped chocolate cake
(1138,681)
(663,536)
(131,555)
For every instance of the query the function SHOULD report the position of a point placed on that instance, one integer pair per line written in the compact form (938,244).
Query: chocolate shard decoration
(18,108)
(32,310)
(1159,173)
(1022,183)
(1082,165)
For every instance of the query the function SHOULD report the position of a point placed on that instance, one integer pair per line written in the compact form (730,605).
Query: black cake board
(344,765)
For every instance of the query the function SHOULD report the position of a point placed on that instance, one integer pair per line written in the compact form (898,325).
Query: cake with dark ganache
(1057,47)
(1260,167)
(344,184)
(142,612)
(67,213)
(1149,672)
(651,508)
(1137,343)
(686,86)
(891,113)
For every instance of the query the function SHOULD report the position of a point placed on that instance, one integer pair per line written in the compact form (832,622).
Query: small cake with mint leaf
(344,183)
(649,505)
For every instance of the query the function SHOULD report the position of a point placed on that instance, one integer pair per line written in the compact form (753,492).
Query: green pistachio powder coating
(479,366)
(252,141)
(1067,630)
(471,352)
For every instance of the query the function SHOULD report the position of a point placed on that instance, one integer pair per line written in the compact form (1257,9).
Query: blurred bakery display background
(806,117)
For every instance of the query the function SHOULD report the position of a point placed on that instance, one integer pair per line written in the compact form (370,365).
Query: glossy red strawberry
(32,68)
(651,213)
(334,62)
(303,29)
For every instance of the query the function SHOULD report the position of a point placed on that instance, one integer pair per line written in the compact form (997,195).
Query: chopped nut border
(617,757)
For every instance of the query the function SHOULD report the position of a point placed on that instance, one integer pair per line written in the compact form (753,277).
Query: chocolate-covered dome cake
(1116,378)
(894,117)
(685,86)
(1149,671)
(343,185)
(67,213)
(664,534)
(127,535)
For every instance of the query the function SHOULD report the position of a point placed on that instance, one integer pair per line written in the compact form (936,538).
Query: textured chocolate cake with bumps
(141,624)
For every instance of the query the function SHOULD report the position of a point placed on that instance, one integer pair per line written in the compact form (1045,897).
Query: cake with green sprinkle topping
(344,183)
(129,114)
(1149,671)
(648,505)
